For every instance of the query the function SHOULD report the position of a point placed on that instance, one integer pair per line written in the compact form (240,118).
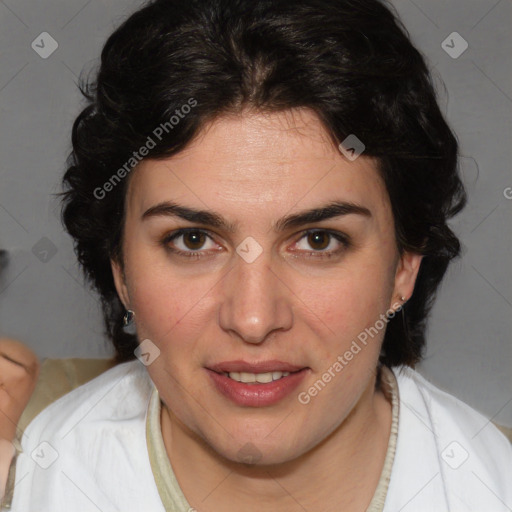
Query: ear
(406,274)
(120,282)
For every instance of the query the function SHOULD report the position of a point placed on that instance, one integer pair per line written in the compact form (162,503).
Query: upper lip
(256,367)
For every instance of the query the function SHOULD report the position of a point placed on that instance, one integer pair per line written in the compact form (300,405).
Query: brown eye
(191,243)
(321,243)
(319,240)
(194,240)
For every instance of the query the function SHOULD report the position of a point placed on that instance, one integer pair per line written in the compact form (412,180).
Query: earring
(128,317)
(402,298)
(128,323)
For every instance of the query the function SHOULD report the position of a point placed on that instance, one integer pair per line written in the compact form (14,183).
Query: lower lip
(257,394)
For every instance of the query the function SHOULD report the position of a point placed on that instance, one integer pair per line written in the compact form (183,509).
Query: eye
(11,360)
(321,243)
(190,242)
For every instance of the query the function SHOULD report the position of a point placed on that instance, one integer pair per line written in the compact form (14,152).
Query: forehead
(255,159)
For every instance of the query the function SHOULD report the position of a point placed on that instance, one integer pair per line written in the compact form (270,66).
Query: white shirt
(88,452)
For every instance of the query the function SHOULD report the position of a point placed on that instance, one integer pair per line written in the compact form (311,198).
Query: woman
(260,193)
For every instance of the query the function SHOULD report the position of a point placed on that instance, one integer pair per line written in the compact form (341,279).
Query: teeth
(261,378)
(247,377)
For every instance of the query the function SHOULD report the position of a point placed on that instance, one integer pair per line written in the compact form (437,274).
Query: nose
(255,302)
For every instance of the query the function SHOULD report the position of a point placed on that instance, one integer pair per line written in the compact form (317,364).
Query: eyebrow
(212,219)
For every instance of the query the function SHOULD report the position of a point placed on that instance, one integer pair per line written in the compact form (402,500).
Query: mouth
(256,384)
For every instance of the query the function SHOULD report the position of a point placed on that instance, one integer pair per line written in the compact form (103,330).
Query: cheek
(351,302)
(169,308)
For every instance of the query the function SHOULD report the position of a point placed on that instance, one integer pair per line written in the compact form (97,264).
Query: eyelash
(341,238)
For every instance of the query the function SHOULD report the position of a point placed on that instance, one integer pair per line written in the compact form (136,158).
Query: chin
(257,451)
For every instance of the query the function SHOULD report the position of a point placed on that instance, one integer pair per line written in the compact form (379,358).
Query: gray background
(43,300)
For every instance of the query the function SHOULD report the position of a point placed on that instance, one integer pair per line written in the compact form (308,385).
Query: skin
(294,303)
(19,369)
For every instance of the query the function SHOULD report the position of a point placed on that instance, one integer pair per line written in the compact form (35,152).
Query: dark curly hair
(349,61)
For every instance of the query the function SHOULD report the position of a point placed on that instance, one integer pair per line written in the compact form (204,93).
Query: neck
(340,473)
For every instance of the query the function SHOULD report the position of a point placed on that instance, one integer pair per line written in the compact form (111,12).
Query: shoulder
(450,412)
(116,394)
(90,445)
(58,377)
(462,458)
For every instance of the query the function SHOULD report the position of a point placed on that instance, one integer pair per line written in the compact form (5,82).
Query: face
(258,253)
